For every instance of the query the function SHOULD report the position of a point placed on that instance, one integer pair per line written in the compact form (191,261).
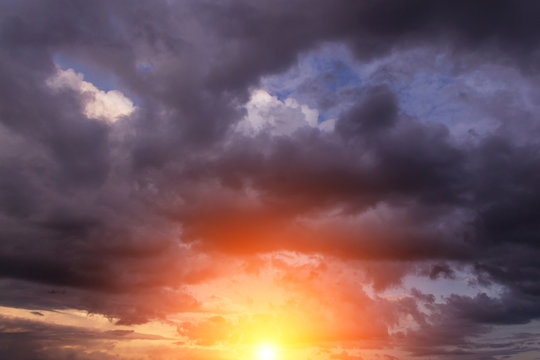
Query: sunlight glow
(266,352)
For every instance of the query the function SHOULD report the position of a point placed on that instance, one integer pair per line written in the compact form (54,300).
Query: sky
(269,180)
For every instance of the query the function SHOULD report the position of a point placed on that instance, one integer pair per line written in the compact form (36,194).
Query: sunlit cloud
(97,104)
(268,114)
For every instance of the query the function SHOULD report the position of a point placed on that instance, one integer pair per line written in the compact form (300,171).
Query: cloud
(217,174)
(25,339)
(98,104)
(266,113)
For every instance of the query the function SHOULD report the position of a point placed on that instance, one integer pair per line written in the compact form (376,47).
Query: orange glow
(280,306)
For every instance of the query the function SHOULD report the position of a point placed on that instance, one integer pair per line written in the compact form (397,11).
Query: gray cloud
(98,210)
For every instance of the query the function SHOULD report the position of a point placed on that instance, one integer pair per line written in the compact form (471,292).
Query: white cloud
(269,114)
(101,105)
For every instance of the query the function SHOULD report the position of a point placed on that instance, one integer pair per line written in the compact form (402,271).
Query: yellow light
(266,352)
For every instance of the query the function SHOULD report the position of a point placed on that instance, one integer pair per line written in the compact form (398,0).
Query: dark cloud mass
(120,218)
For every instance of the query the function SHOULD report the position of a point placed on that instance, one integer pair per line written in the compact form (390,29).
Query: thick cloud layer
(121,200)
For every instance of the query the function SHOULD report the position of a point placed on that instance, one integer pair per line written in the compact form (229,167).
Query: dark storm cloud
(443,333)
(100,209)
(377,112)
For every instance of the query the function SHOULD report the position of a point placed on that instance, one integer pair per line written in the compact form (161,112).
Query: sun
(266,352)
